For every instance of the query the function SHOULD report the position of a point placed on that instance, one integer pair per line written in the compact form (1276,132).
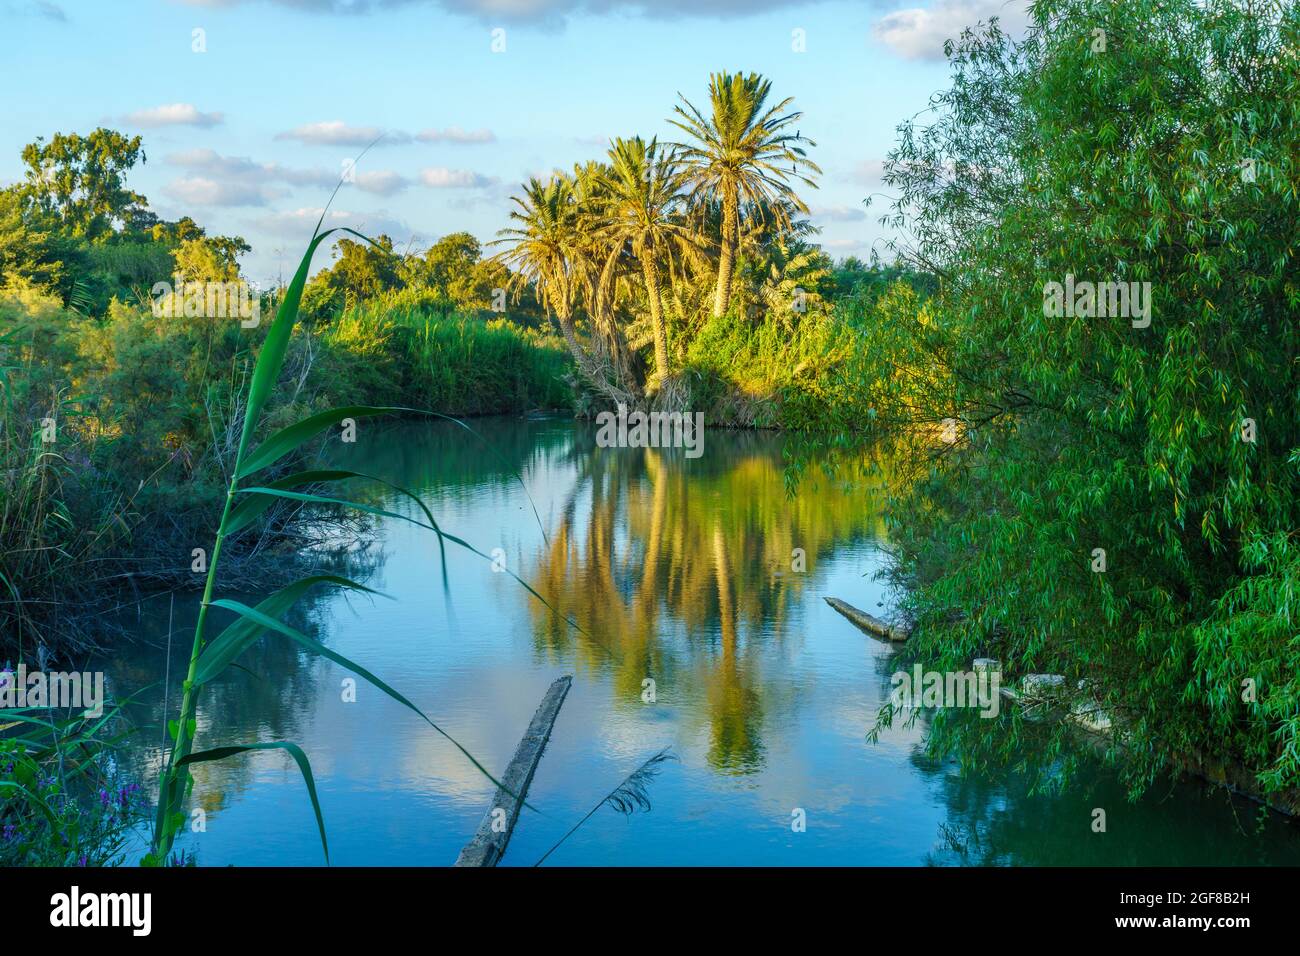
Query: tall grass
(457,365)
(51,521)
(246,499)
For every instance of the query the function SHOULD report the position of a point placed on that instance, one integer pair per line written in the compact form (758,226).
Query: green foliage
(32,248)
(454,275)
(1055,157)
(449,277)
(862,284)
(210,259)
(362,271)
(61,801)
(763,375)
(386,351)
(81,180)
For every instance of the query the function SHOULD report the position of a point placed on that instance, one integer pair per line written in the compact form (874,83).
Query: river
(683,572)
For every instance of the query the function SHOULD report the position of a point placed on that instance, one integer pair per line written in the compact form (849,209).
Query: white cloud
(215,180)
(338,133)
(173,114)
(299,223)
(918,33)
(202,191)
(839,214)
(551,11)
(381,182)
(212,164)
(440,177)
(454,134)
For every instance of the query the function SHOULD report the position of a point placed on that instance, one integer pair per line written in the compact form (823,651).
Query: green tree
(210,259)
(82,180)
(743,156)
(450,269)
(1118,495)
(32,246)
(361,271)
(643,214)
(546,250)
(450,257)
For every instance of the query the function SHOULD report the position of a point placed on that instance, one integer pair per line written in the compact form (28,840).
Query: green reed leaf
(287,439)
(241,633)
(250,508)
(294,634)
(304,765)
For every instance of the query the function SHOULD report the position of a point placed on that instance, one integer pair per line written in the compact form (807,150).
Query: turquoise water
(682,573)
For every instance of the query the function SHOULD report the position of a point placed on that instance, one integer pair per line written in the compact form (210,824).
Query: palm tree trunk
(726,256)
(587,366)
(605,321)
(651,271)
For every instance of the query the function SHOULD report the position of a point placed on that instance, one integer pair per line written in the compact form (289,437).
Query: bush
(1075,435)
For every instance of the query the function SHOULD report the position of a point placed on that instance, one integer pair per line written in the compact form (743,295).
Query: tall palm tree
(598,272)
(643,187)
(541,244)
(742,155)
(546,249)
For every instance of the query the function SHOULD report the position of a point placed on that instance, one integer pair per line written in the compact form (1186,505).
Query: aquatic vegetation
(63,802)
(631,795)
(245,499)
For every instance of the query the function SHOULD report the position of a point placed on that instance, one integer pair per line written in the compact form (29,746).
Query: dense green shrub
(1111,145)
(146,411)
(390,352)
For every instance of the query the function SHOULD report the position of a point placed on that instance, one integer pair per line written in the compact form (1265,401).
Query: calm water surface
(680,570)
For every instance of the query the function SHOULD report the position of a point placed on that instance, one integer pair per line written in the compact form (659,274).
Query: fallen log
(872,625)
(488,844)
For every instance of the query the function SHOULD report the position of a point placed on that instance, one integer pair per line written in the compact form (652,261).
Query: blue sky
(249,135)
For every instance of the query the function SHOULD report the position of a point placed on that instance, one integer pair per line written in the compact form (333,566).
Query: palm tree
(541,244)
(742,156)
(546,249)
(643,189)
(599,273)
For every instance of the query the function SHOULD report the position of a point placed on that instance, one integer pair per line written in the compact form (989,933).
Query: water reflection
(266,695)
(680,571)
(686,570)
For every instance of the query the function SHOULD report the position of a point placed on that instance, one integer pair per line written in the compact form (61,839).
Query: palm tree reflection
(682,571)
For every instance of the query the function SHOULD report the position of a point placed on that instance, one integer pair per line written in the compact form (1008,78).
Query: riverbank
(117,435)
(118,431)
(1047,696)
